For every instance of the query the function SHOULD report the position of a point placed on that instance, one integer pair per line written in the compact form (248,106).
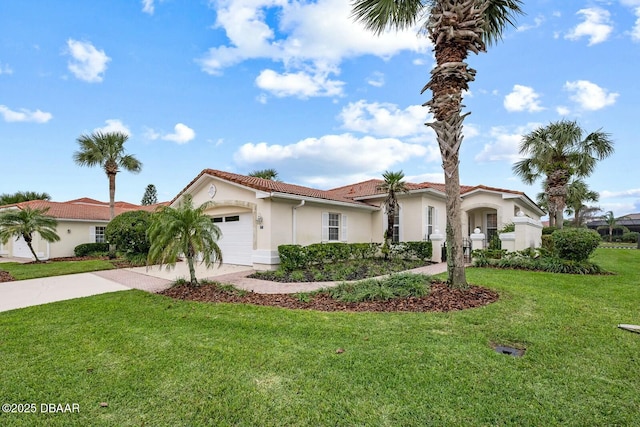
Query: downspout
(295,222)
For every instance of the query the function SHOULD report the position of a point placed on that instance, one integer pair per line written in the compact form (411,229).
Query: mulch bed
(6,277)
(441,298)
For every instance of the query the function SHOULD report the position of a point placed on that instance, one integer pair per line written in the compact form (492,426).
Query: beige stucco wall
(72,233)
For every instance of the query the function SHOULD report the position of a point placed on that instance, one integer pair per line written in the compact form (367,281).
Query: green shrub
(422,250)
(507,228)
(575,244)
(128,231)
(548,230)
(364,250)
(630,237)
(396,286)
(495,243)
(86,249)
(292,257)
(547,243)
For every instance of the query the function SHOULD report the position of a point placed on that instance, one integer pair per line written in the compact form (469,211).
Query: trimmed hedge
(296,257)
(90,248)
(575,244)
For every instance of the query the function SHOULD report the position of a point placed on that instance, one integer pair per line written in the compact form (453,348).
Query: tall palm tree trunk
(112,208)
(455,30)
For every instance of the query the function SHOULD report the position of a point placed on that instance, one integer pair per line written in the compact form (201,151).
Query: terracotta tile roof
(370,188)
(270,186)
(81,209)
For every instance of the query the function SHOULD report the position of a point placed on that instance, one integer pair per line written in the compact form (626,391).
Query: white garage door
(237,238)
(20,249)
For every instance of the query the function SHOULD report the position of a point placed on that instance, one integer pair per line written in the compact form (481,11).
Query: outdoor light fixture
(259,221)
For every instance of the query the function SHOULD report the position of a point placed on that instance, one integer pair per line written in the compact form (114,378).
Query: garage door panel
(237,238)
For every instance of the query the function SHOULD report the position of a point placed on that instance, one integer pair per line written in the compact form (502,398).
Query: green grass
(161,362)
(55,268)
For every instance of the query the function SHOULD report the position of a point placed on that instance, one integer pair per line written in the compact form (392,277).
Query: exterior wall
(72,233)
(309,223)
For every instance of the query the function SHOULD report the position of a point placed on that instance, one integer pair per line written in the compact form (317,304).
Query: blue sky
(241,85)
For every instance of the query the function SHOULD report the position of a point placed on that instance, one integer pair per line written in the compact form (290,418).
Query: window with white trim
(432,220)
(396,228)
(100,238)
(334,227)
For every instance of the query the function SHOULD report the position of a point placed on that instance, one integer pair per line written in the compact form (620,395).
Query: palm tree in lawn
(25,222)
(456,28)
(558,153)
(106,149)
(270,174)
(393,185)
(184,230)
(578,195)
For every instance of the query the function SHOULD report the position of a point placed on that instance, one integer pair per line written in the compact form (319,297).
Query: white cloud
(505,144)
(181,135)
(590,96)
(537,22)
(635,192)
(562,110)
(635,32)
(310,37)
(148,6)
(426,177)
(596,26)
(315,159)
(386,120)
(522,98)
(24,115)
(5,69)
(87,63)
(376,79)
(300,84)
(114,125)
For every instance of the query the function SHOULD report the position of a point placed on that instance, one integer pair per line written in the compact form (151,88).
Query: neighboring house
(631,222)
(79,221)
(257,215)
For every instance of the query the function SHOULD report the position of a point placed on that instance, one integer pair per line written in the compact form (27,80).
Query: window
(216,219)
(431,220)
(100,235)
(492,225)
(334,227)
(396,228)
(233,218)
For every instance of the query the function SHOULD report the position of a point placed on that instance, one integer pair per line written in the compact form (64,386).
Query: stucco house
(79,221)
(257,215)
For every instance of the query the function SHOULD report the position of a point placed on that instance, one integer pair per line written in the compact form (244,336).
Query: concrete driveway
(26,293)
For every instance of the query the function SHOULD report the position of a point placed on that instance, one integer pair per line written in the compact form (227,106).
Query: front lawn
(133,358)
(53,268)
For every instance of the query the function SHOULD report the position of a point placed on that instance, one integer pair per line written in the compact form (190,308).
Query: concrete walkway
(25,293)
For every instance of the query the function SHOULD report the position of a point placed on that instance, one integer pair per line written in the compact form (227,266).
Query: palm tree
(611,222)
(25,222)
(558,153)
(393,185)
(456,28)
(107,151)
(184,230)
(578,194)
(270,174)
(22,196)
